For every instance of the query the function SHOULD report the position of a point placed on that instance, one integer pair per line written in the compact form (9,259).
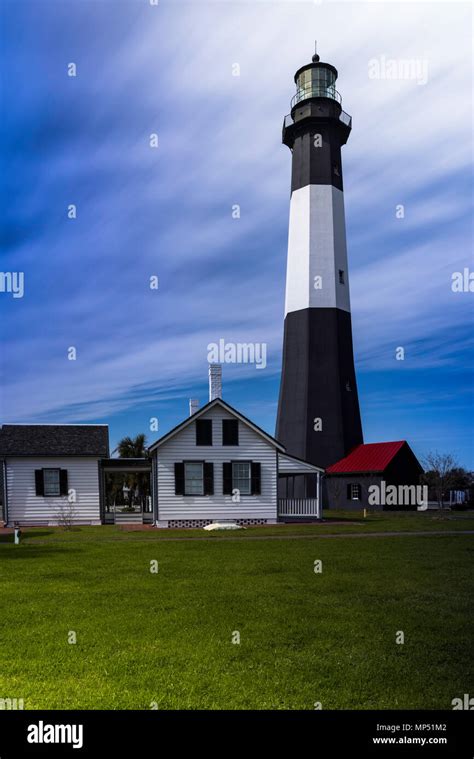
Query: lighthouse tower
(318,410)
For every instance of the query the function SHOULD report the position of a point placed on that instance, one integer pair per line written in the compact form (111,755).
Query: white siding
(26,507)
(290,465)
(182,447)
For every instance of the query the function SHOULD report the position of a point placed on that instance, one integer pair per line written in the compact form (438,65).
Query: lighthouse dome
(316,80)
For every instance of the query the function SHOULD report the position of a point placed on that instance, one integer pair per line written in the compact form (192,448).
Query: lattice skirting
(180,523)
(176,524)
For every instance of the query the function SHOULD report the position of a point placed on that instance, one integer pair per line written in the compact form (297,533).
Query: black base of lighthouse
(318,383)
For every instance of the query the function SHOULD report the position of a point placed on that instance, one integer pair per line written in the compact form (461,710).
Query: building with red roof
(350,481)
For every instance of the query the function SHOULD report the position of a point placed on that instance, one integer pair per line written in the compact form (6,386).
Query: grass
(335,523)
(304,637)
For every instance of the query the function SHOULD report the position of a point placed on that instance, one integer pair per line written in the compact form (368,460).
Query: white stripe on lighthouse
(317,250)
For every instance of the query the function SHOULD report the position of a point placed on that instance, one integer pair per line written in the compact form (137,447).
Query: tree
(442,474)
(462,479)
(132,447)
(66,514)
(137,482)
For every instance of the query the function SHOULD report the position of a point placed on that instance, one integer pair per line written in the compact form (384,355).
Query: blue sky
(168,69)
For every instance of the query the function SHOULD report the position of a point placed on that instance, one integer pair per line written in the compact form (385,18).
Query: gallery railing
(343,116)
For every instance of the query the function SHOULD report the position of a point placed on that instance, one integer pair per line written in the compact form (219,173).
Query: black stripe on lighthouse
(316,157)
(318,382)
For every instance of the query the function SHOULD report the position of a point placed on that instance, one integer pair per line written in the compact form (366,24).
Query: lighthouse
(318,410)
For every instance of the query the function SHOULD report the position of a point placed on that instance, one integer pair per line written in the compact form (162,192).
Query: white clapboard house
(51,473)
(216,465)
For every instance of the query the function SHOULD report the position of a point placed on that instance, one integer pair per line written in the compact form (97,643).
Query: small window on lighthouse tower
(341,277)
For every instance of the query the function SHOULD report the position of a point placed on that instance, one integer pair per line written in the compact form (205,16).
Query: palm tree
(132,448)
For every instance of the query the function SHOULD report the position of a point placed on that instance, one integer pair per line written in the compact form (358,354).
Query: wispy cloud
(168,69)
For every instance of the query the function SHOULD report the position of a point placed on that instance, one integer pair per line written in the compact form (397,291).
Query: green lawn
(304,637)
(334,523)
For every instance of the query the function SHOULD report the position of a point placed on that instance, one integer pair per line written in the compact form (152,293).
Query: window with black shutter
(243,476)
(203,431)
(194,478)
(51,483)
(230,432)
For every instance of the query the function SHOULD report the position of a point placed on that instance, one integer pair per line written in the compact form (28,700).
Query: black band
(318,381)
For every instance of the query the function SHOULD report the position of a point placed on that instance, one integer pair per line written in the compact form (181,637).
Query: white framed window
(355,492)
(242,477)
(193,478)
(51,482)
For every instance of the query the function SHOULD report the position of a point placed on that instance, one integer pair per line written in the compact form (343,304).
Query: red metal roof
(371,457)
